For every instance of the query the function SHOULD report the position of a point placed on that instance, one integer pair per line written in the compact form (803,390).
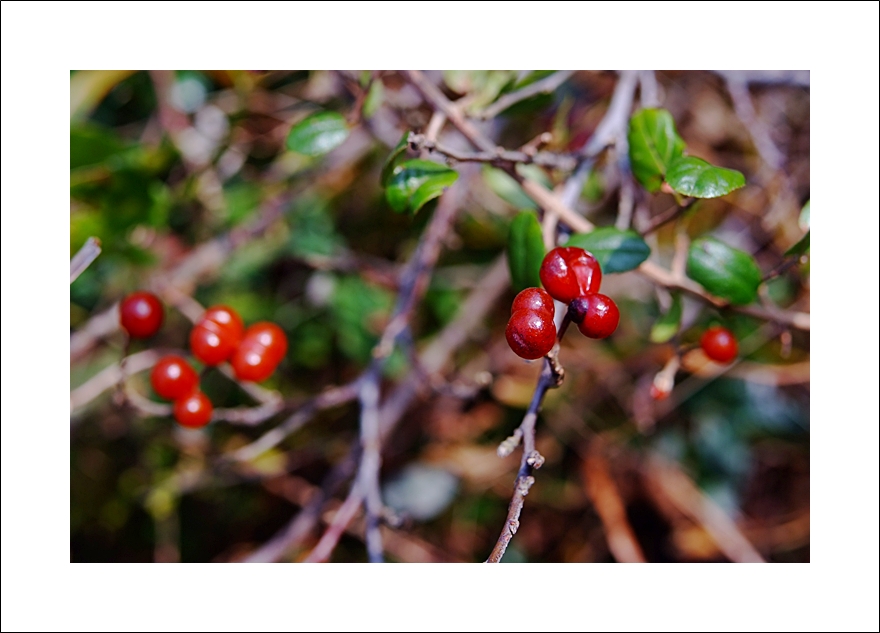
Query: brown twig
(84,257)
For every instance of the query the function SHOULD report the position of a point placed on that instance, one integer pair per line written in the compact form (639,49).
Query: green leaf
(617,250)
(506,188)
(696,178)
(804,219)
(724,271)
(415,182)
(802,246)
(318,133)
(525,251)
(392,160)
(668,325)
(653,145)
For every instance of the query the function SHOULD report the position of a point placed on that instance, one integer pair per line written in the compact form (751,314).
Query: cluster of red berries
(219,336)
(572,276)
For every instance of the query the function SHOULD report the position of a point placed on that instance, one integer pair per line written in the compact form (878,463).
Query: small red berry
(217,335)
(141,314)
(261,350)
(530,334)
(534,300)
(569,272)
(719,344)
(193,411)
(600,315)
(172,378)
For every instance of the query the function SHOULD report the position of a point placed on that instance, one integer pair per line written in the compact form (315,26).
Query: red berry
(531,334)
(534,300)
(141,314)
(569,272)
(261,349)
(217,335)
(193,411)
(173,378)
(719,344)
(600,315)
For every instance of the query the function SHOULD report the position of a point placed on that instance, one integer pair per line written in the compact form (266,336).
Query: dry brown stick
(603,492)
(84,257)
(689,499)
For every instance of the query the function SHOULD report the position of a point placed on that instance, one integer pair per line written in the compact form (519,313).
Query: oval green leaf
(696,178)
(653,144)
(415,182)
(668,325)
(393,159)
(525,251)
(318,133)
(617,251)
(724,271)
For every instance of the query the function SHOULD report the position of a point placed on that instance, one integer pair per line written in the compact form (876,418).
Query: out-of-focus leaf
(481,86)
(89,87)
(802,246)
(668,325)
(421,491)
(723,270)
(653,144)
(415,182)
(696,178)
(507,188)
(804,219)
(616,250)
(90,145)
(318,133)
(525,251)
(393,159)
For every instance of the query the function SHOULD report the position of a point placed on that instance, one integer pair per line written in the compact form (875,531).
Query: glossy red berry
(531,333)
(719,344)
(172,378)
(534,300)
(570,272)
(262,348)
(596,315)
(217,335)
(141,314)
(194,410)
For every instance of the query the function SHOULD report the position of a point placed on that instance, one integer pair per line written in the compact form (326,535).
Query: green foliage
(724,271)
(669,323)
(696,178)
(525,251)
(617,251)
(803,245)
(653,144)
(318,133)
(416,182)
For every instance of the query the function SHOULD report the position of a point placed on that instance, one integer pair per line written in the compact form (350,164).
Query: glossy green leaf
(525,251)
(653,145)
(724,271)
(616,250)
(393,159)
(696,178)
(415,182)
(318,133)
(668,324)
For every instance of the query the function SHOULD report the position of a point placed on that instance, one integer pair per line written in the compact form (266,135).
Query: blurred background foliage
(164,165)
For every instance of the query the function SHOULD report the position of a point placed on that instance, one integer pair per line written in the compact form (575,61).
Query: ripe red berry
(534,300)
(570,272)
(217,335)
(141,314)
(596,315)
(719,344)
(531,334)
(194,410)
(172,378)
(261,350)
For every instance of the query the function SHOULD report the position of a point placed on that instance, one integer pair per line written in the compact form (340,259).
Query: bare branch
(84,257)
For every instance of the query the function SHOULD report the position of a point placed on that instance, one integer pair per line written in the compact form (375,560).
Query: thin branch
(371,462)
(799,78)
(84,257)
(745,110)
(498,156)
(546,85)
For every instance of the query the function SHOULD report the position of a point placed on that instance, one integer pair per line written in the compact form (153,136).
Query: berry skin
(530,334)
(261,350)
(719,344)
(173,378)
(193,411)
(596,315)
(217,335)
(534,300)
(141,314)
(570,272)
